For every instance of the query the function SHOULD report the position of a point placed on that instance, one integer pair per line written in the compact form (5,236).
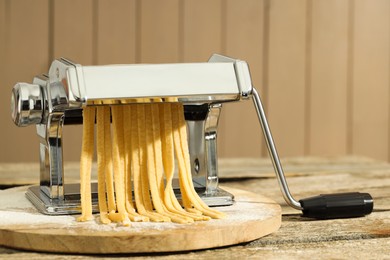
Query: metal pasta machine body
(57,99)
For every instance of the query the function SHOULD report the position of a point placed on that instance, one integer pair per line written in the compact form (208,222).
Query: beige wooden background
(321,66)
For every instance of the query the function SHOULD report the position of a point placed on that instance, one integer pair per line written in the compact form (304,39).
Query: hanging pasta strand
(168,155)
(119,163)
(167,150)
(138,154)
(181,148)
(108,160)
(157,147)
(127,170)
(87,149)
(154,163)
(138,162)
(133,215)
(143,158)
(101,164)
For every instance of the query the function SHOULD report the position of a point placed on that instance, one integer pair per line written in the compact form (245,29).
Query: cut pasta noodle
(101,148)
(86,163)
(136,160)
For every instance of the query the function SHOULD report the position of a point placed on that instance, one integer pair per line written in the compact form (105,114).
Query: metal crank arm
(341,205)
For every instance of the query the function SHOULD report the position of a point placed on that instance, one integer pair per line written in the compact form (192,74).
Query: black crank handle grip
(340,205)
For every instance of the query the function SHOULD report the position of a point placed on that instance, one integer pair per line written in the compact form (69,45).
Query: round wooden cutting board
(22,226)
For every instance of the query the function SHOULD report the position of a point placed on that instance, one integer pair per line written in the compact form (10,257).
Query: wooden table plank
(367,237)
(229,168)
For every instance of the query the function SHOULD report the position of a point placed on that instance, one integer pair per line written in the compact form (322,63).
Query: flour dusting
(16,210)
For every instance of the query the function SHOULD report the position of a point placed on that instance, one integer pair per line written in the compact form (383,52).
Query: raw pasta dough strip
(137,162)
(183,141)
(108,159)
(165,155)
(101,165)
(169,124)
(143,177)
(155,166)
(187,203)
(168,155)
(176,139)
(170,120)
(181,147)
(150,162)
(127,172)
(133,215)
(118,159)
(143,157)
(170,200)
(87,149)
(148,173)
(155,114)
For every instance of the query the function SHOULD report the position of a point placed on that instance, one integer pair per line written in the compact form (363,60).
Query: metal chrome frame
(70,86)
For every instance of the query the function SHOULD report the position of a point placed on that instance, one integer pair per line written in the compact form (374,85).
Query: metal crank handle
(342,205)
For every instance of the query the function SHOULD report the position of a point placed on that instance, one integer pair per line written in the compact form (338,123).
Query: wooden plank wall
(25,48)
(321,66)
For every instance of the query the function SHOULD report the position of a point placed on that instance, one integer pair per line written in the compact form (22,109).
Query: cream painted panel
(245,37)
(201,29)
(116,32)
(158,35)
(73,35)
(25,54)
(287,75)
(370,108)
(327,95)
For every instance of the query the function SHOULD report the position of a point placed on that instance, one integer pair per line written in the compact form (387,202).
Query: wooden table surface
(367,237)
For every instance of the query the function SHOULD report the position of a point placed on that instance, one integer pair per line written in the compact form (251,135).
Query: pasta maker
(55,100)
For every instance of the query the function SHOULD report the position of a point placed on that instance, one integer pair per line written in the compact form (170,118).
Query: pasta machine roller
(57,99)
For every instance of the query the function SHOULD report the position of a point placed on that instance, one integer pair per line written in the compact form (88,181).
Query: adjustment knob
(26,104)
